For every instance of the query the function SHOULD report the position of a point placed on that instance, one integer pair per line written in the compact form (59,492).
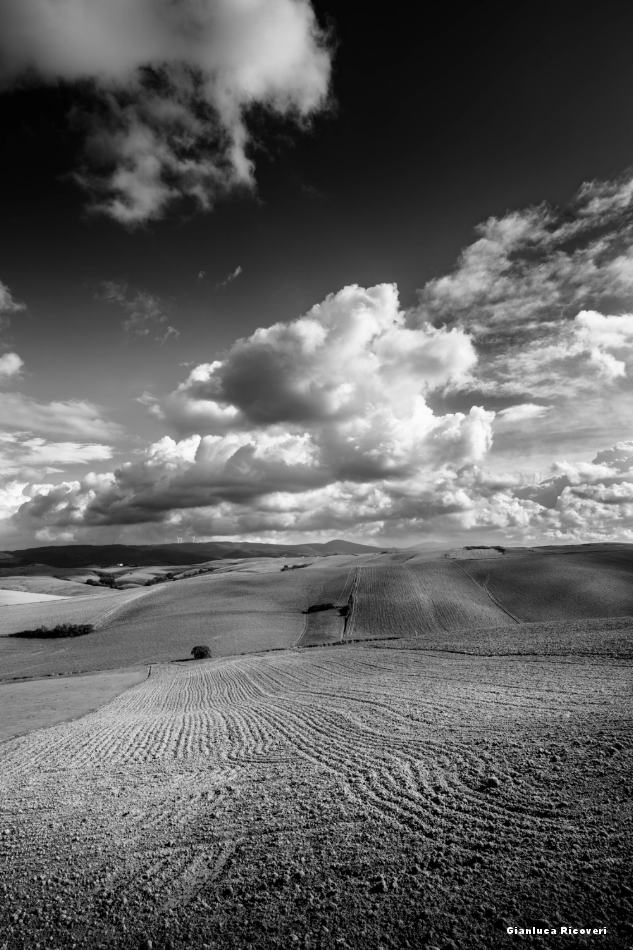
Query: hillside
(558,586)
(86,555)
(253,604)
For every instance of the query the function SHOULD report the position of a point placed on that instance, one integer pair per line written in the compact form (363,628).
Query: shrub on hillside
(316,607)
(61,630)
(201,653)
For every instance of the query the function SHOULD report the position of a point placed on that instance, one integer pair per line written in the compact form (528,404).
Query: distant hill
(427,546)
(109,555)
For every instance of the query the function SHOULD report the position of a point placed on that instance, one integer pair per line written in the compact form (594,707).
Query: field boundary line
(304,630)
(484,587)
(344,643)
(488,656)
(349,618)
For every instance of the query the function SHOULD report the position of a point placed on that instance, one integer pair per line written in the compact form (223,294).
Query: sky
(276,270)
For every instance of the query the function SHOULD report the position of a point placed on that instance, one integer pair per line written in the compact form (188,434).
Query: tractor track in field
(488,592)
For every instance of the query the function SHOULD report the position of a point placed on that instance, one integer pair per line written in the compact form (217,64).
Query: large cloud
(327,407)
(231,488)
(358,418)
(325,424)
(172,84)
(349,359)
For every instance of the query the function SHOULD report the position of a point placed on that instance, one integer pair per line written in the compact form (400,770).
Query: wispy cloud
(533,289)
(29,456)
(146,399)
(229,278)
(8,304)
(74,419)
(168,334)
(521,413)
(172,85)
(146,313)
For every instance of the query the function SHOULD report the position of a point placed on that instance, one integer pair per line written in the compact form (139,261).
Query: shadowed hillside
(109,555)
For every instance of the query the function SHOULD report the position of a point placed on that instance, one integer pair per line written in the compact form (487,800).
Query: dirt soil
(36,704)
(351,796)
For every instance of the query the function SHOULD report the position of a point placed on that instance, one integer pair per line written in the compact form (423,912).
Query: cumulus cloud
(345,419)
(600,334)
(227,487)
(350,360)
(10,365)
(619,457)
(145,313)
(12,496)
(324,409)
(172,85)
(325,424)
(74,419)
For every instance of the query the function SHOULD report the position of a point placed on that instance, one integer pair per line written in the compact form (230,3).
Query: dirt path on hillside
(346,797)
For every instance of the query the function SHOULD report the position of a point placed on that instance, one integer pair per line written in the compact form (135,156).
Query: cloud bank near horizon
(165,89)
(344,420)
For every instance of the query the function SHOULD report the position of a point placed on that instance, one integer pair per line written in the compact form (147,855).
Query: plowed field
(416,597)
(355,797)
(559,586)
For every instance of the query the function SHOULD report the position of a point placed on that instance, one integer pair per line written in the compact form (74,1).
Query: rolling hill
(249,605)
(87,555)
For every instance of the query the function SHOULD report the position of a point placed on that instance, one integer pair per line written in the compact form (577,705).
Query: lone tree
(201,653)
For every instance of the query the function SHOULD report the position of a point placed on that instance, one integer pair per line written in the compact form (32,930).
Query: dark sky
(439,118)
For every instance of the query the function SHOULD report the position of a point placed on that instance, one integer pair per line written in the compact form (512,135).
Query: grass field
(43,584)
(37,704)
(13,598)
(351,797)
(93,608)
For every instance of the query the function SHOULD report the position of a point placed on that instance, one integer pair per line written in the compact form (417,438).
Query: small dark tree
(201,653)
